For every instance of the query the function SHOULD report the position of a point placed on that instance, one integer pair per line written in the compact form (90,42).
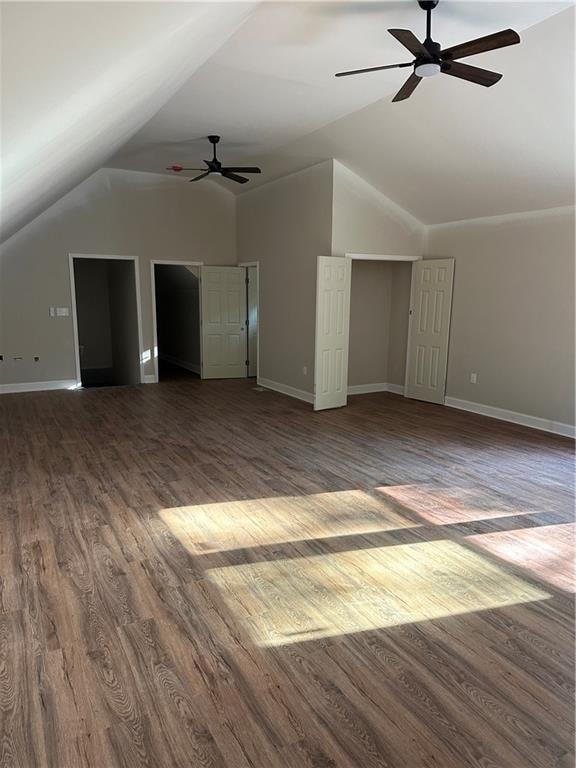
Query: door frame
(167,263)
(257,265)
(350,258)
(71,257)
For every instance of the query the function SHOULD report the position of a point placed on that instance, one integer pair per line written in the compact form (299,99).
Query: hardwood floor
(199,574)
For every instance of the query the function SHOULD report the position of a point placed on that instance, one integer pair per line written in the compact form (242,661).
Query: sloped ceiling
(453,151)
(79,79)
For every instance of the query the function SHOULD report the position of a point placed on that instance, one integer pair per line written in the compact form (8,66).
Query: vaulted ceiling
(139,86)
(80,78)
(452,151)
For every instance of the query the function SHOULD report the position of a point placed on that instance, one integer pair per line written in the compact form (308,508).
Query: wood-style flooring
(198,574)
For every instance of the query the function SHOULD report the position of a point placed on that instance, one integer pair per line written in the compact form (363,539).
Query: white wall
(513,311)
(286,225)
(114,212)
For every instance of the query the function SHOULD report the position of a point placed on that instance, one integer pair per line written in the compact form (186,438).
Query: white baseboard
(535,422)
(366,389)
(149,378)
(284,389)
(38,386)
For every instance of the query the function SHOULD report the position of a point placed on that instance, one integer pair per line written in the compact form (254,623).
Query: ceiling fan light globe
(429,69)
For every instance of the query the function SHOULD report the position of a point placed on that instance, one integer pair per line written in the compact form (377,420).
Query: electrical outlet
(473,378)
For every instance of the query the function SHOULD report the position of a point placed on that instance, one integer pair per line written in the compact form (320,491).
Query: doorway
(106,315)
(205,320)
(177,313)
(423,340)
(379,317)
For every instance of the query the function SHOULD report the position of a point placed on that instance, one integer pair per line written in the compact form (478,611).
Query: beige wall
(366,221)
(113,212)
(513,311)
(379,304)
(286,225)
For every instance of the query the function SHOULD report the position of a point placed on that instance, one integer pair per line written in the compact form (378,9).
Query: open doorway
(205,320)
(106,316)
(177,306)
(400,330)
(379,316)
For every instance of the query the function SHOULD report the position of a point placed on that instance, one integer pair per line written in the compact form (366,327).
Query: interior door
(429,329)
(332,326)
(223,315)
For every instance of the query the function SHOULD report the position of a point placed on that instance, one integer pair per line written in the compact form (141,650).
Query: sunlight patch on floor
(288,601)
(208,528)
(546,551)
(444,505)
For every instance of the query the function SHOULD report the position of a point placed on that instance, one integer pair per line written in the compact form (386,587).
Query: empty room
(287,384)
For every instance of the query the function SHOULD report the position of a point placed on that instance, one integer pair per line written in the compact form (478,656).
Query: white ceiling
(454,150)
(80,78)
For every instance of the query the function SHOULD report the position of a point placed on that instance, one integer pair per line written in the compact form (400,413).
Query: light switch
(52,311)
(473,378)
(62,311)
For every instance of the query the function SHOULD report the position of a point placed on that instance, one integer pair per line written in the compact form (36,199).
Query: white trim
(367,389)
(149,378)
(169,263)
(535,422)
(38,386)
(257,265)
(78,380)
(284,389)
(380,257)
(71,257)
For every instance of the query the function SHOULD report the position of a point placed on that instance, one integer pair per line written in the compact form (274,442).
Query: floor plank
(202,574)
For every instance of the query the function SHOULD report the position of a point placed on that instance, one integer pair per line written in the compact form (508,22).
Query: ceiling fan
(431,59)
(215,166)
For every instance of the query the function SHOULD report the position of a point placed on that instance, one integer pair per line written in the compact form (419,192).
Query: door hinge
(247,363)
(247,279)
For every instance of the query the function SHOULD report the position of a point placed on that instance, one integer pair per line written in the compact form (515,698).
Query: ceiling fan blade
(202,176)
(482,44)
(408,88)
(410,41)
(371,69)
(243,169)
(179,168)
(234,177)
(473,74)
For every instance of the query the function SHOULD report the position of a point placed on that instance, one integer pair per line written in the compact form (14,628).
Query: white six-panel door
(429,330)
(332,326)
(223,315)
